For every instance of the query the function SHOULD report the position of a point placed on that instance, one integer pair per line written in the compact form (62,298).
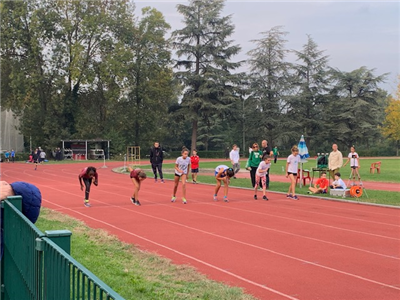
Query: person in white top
(182,166)
(354,160)
(235,159)
(261,175)
(338,183)
(292,164)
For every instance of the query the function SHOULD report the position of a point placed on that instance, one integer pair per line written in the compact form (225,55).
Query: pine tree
(204,54)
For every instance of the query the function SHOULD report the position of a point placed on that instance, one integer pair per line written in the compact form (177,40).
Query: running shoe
(215,198)
(184,201)
(265,198)
(226,199)
(137,203)
(162,181)
(86,203)
(255,197)
(289,196)
(133,200)
(295,197)
(173,199)
(155,180)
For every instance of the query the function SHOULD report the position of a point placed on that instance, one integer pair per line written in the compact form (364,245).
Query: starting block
(340,192)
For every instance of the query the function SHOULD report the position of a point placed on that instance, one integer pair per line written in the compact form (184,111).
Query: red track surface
(280,249)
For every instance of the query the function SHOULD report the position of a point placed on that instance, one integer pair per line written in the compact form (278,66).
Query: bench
(375,166)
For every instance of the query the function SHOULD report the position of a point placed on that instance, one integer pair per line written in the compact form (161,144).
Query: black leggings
(253,176)
(155,168)
(88,183)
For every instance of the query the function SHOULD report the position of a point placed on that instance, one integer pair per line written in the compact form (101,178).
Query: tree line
(93,69)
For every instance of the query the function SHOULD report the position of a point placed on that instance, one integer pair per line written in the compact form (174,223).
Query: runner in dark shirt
(88,175)
(137,176)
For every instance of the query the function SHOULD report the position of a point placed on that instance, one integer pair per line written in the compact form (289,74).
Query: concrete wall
(10,138)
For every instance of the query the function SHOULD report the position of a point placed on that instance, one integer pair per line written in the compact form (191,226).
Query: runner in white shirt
(261,175)
(181,171)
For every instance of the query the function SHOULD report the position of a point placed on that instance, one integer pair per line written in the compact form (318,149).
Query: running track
(280,249)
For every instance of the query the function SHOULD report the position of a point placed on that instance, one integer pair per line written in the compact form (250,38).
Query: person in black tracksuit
(156,160)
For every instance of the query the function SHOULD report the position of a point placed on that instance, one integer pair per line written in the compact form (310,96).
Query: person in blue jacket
(31,200)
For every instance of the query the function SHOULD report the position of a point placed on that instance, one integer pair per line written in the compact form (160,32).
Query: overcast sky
(353,34)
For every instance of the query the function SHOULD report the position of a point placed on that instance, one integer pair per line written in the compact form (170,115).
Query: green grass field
(133,273)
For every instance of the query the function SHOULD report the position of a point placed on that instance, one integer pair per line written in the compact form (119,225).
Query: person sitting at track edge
(338,183)
(320,186)
(222,174)
(31,201)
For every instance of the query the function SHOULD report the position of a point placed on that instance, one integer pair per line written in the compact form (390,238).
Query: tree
(85,69)
(353,111)
(53,48)
(311,81)
(204,52)
(147,87)
(269,87)
(391,125)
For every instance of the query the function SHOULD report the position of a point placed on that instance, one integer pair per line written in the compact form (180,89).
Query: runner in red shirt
(137,176)
(194,162)
(88,175)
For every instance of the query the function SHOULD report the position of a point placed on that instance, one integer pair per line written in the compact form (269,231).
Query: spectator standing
(276,153)
(194,162)
(7,156)
(234,155)
(335,160)
(12,155)
(156,160)
(253,162)
(42,156)
(227,153)
(354,160)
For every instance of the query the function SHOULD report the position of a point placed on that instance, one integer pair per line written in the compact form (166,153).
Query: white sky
(353,34)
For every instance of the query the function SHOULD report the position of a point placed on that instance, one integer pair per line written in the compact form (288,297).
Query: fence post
(61,238)
(16,201)
(57,269)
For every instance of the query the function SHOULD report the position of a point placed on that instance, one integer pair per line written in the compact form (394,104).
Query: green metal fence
(37,265)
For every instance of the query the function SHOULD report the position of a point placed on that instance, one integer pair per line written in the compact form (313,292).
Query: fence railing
(37,265)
